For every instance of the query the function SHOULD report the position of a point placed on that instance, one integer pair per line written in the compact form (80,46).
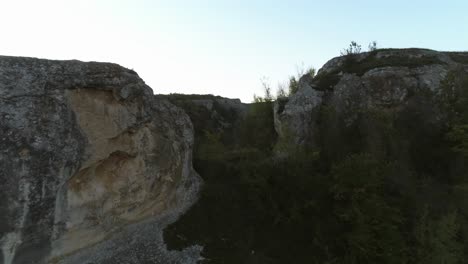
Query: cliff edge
(92,166)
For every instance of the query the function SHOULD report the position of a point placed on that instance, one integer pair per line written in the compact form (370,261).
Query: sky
(218,47)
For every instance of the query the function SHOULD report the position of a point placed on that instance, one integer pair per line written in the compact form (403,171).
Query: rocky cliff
(396,81)
(92,166)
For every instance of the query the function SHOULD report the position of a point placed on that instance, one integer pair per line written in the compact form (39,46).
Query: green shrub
(437,238)
(459,136)
(352,49)
(293,85)
(373,226)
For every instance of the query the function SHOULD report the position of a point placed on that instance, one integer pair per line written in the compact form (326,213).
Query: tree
(437,239)
(293,85)
(311,72)
(372,46)
(300,72)
(459,135)
(281,92)
(353,49)
(268,96)
(363,206)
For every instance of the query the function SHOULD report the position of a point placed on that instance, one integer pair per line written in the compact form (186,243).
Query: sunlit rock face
(391,82)
(92,165)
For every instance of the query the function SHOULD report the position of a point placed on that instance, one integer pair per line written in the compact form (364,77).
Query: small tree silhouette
(372,46)
(353,49)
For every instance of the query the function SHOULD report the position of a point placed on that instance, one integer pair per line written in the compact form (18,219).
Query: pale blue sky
(223,47)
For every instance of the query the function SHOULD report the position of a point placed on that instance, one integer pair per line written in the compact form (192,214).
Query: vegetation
(353,49)
(370,61)
(294,80)
(372,46)
(459,57)
(459,135)
(389,188)
(284,90)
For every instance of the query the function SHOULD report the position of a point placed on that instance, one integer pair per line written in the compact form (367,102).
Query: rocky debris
(387,80)
(92,166)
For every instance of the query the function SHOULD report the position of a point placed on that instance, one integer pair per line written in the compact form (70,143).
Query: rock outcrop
(394,81)
(92,166)
(213,114)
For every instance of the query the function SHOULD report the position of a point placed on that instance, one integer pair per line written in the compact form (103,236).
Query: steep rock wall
(87,155)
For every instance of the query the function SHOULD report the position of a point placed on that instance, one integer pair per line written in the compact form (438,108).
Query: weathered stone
(293,119)
(351,85)
(92,166)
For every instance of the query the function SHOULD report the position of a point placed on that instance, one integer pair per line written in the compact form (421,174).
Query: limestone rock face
(347,86)
(294,116)
(92,166)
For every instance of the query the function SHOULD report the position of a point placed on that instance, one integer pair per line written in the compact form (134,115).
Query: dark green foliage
(364,205)
(293,85)
(454,102)
(389,187)
(252,206)
(281,104)
(257,129)
(438,238)
(454,97)
(460,57)
(326,81)
(205,120)
(459,135)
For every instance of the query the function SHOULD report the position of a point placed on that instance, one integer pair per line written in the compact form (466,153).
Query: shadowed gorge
(365,162)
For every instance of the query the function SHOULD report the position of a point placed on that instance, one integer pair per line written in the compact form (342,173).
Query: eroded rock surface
(92,166)
(293,117)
